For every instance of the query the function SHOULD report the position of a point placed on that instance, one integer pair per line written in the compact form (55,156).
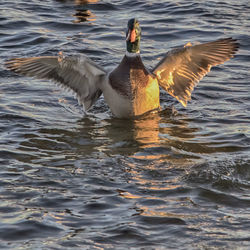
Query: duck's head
(133,36)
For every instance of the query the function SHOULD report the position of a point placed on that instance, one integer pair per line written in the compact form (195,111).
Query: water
(167,180)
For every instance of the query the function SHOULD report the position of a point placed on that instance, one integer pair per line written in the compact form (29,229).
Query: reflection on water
(83,16)
(146,130)
(79,2)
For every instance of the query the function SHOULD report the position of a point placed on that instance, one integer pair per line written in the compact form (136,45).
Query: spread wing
(80,74)
(181,69)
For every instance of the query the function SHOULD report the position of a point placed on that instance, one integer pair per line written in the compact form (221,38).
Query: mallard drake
(130,89)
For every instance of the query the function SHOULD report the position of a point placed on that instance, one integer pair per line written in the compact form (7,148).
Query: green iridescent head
(133,36)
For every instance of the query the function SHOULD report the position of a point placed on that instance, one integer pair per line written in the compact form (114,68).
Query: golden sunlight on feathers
(182,68)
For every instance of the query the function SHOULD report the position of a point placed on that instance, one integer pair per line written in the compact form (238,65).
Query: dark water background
(165,181)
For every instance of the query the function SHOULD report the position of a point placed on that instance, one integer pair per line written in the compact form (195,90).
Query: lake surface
(169,180)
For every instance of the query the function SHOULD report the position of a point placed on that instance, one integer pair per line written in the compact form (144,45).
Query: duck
(130,90)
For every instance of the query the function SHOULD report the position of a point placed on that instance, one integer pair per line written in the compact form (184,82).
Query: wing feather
(79,74)
(181,69)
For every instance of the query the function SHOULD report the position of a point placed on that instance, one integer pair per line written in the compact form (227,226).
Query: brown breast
(130,73)
(132,80)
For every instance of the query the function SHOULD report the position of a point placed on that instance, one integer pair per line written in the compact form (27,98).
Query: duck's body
(130,89)
(136,93)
